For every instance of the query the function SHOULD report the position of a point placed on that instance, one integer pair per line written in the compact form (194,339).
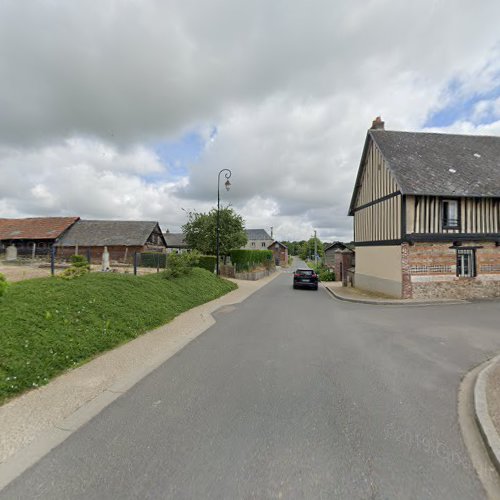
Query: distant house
(122,239)
(339,257)
(258,239)
(175,242)
(36,234)
(426,211)
(280,253)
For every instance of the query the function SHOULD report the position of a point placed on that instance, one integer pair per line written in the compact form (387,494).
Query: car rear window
(305,272)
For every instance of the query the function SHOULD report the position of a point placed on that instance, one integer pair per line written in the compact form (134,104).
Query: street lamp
(227,184)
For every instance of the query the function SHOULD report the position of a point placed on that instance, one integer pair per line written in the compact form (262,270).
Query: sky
(128,109)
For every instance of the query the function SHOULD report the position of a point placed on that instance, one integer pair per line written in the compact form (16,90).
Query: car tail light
(314,275)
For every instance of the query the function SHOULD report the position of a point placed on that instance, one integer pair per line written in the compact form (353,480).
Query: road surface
(292,394)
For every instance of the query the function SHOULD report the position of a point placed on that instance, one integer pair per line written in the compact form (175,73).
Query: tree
(200,231)
(307,249)
(293,246)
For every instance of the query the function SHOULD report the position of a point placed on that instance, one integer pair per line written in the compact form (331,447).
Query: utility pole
(315,249)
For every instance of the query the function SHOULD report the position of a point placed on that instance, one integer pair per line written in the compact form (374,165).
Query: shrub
(73,272)
(207,262)
(246,260)
(79,261)
(325,274)
(179,264)
(79,267)
(3,284)
(151,259)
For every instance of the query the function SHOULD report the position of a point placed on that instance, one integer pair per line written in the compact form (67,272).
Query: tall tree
(307,249)
(200,231)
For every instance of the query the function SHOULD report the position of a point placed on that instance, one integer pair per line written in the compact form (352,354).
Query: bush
(151,259)
(3,284)
(180,264)
(246,260)
(79,267)
(73,272)
(207,262)
(79,261)
(325,274)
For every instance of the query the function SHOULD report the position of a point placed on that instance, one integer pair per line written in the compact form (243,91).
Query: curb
(394,302)
(486,427)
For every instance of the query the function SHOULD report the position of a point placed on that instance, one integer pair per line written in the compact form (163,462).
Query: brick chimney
(377,124)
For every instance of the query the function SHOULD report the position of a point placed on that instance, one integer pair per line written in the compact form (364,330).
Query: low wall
(253,275)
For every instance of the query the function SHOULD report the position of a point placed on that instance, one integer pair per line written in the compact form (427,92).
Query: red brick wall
(431,271)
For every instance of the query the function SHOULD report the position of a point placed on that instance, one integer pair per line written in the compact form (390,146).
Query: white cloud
(290,86)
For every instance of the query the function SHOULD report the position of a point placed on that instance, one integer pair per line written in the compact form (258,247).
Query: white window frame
(466,262)
(451,217)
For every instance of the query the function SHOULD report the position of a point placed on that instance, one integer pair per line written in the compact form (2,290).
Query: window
(263,244)
(253,243)
(466,262)
(450,214)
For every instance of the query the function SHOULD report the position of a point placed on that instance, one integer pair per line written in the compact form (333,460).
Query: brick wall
(431,271)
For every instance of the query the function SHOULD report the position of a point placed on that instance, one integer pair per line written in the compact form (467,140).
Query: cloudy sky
(128,109)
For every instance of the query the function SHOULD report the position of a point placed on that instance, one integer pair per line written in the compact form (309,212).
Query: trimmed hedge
(207,262)
(150,259)
(246,260)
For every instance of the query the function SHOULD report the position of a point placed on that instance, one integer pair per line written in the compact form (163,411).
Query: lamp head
(227,184)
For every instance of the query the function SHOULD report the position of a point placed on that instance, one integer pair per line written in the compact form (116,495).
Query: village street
(291,394)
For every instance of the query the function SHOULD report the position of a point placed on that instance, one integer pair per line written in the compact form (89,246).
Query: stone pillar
(11,253)
(346,264)
(406,288)
(105,259)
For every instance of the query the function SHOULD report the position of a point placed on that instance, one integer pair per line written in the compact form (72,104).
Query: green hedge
(150,259)
(246,260)
(207,262)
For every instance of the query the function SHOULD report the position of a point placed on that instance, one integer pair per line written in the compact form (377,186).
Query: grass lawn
(48,325)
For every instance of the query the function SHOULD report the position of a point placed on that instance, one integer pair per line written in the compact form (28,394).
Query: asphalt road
(291,394)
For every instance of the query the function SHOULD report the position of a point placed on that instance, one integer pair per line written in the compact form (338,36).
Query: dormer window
(451,219)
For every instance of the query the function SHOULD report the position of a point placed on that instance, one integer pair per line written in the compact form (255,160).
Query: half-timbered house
(426,210)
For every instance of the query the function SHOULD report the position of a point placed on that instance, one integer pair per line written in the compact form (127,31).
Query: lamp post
(227,184)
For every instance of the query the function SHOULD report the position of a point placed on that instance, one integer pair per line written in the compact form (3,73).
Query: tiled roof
(35,228)
(277,242)
(108,233)
(175,240)
(257,234)
(442,164)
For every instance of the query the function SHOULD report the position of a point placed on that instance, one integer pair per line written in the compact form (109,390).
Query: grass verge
(48,325)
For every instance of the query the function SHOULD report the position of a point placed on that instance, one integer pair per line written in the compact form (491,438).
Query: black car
(305,278)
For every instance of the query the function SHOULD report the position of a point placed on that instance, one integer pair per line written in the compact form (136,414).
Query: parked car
(305,278)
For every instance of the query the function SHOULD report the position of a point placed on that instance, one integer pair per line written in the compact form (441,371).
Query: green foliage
(200,231)
(246,260)
(51,325)
(324,274)
(180,264)
(293,246)
(152,259)
(79,261)
(3,284)
(73,272)
(307,249)
(79,267)
(207,262)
